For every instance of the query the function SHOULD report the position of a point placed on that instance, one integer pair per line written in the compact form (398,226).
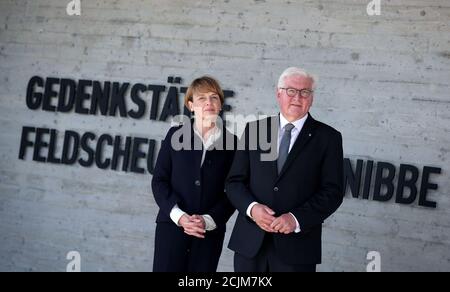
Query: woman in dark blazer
(188,185)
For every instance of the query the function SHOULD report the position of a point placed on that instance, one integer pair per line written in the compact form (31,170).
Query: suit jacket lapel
(273,123)
(196,146)
(303,138)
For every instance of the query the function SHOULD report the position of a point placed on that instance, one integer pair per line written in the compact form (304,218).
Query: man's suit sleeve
(330,195)
(238,179)
(165,197)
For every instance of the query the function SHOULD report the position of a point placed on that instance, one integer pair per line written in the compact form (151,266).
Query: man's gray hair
(294,71)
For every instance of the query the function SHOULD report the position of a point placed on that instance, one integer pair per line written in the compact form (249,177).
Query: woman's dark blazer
(179,179)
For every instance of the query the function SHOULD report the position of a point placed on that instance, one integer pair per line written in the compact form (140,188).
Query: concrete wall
(384,83)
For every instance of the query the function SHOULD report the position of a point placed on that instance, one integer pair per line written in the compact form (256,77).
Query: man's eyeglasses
(292,92)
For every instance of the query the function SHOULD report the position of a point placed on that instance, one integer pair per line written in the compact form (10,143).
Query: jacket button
(197,183)
(276,189)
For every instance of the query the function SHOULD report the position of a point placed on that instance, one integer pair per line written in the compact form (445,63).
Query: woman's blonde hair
(203,84)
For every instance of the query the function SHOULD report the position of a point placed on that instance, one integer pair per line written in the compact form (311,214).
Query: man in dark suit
(283,202)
